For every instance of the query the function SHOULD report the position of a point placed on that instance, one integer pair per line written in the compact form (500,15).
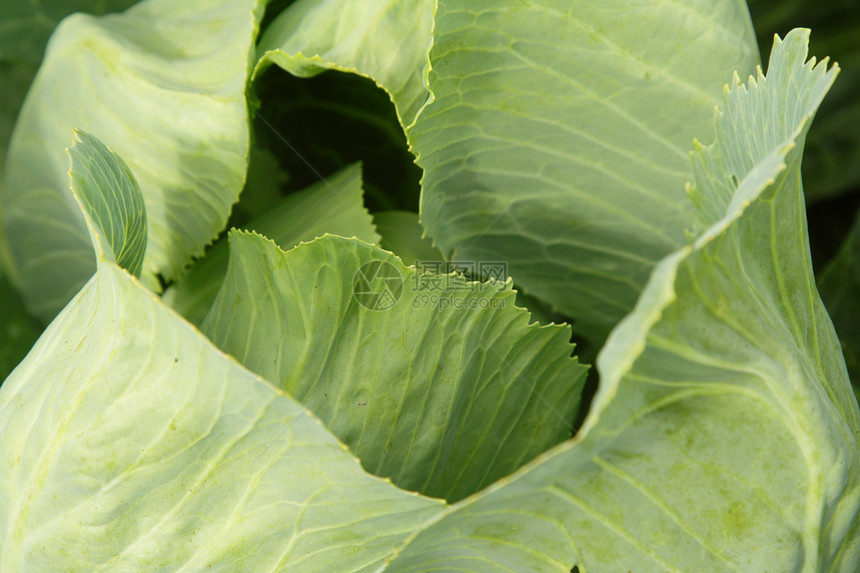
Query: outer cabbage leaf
(385,41)
(163,84)
(556,134)
(131,443)
(334,206)
(724,436)
(840,289)
(444,387)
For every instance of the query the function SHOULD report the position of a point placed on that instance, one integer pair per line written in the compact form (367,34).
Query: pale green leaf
(386,41)
(130,443)
(111,201)
(439,384)
(724,436)
(572,167)
(334,206)
(402,234)
(162,84)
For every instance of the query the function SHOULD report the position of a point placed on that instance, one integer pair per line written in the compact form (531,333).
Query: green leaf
(111,201)
(591,110)
(724,436)
(25,26)
(385,41)
(840,289)
(442,390)
(402,234)
(131,443)
(333,206)
(163,84)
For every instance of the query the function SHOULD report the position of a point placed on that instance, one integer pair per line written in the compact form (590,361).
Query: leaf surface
(439,384)
(572,166)
(131,443)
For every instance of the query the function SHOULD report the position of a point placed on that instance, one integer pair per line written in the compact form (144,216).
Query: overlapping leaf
(131,442)
(163,84)
(724,436)
(555,137)
(441,385)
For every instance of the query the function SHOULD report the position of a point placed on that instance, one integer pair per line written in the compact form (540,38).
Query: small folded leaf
(439,384)
(111,201)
